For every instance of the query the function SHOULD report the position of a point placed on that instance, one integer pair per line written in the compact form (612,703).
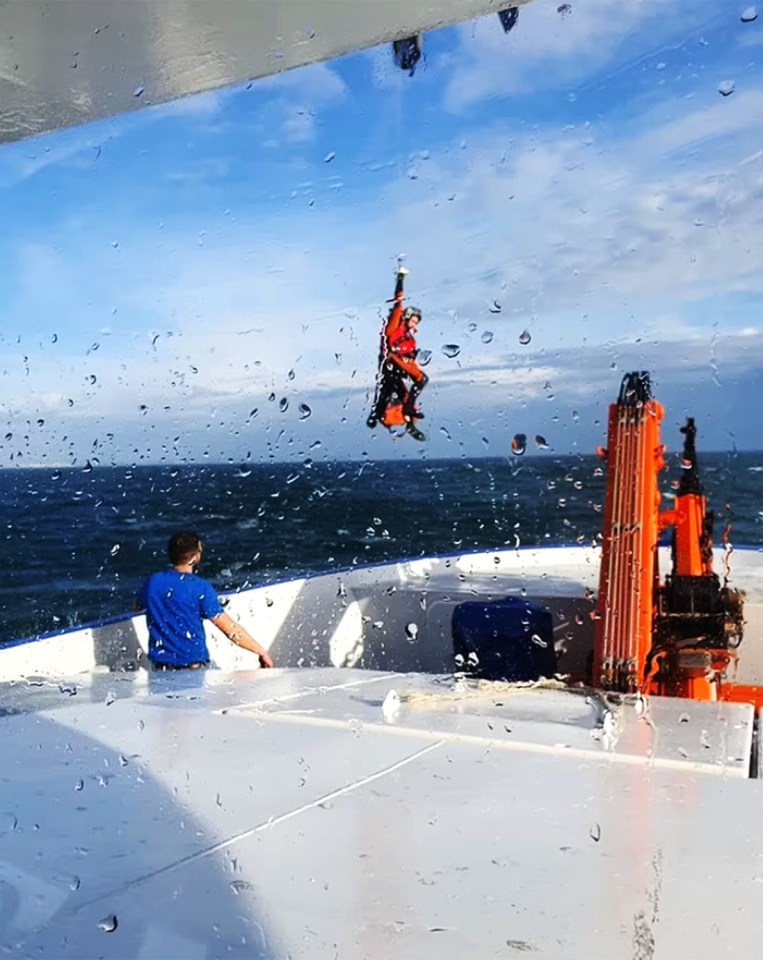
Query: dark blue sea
(76,544)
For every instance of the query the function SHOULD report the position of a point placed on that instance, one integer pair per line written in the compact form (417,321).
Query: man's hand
(235,632)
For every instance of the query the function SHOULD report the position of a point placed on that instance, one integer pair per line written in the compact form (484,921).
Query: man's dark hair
(182,546)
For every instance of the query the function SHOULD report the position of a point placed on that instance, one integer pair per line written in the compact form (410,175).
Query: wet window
(195,296)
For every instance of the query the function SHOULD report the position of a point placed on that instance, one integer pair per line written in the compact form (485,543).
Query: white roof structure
(67,62)
(293,814)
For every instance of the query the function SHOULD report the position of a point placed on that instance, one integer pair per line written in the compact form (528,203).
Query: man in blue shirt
(177,602)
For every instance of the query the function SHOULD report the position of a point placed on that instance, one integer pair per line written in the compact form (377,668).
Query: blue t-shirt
(175,605)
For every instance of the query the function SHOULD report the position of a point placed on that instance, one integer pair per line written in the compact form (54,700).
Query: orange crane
(672,638)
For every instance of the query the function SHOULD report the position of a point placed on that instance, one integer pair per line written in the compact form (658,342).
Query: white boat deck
(289,814)
(339,812)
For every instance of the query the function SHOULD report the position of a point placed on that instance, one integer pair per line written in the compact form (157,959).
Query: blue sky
(167,272)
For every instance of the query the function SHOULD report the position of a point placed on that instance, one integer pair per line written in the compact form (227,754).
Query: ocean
(77,543)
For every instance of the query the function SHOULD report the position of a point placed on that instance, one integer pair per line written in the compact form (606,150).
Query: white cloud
(545,49)
(595,237)
(318,83)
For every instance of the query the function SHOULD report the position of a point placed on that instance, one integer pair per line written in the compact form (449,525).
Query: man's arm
(396,313)
(238,635)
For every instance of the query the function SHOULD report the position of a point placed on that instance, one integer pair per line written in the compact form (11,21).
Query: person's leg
(391,386)
(420,380)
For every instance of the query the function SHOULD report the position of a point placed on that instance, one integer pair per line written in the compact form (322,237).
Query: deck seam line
(264,825)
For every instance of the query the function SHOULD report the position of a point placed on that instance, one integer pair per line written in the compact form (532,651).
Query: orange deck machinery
(676,637)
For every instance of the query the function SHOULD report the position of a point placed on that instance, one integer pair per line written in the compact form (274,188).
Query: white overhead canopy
(66,62)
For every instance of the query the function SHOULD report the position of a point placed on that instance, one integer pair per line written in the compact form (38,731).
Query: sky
(206,280)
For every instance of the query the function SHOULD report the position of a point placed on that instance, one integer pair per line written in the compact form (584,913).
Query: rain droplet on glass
(540,442)
(525,337)
(304,411)
(472,327)
(518,444)
(411,631)
(487,336)
(283,404)
(495,307)
(329,157)
(109,924)
(425,357)
(451,350)
(749,14)
(726,87)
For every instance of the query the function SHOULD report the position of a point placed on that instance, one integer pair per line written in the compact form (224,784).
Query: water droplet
(518,444)
(40,423)
(115,549)
(472,660)
(110,698)
(108,924)
(472,327)
(683,718)
(329,157)
(138,91)
(74,883)
(9,436)
(283,404)
(525,337)
(68,688)
(539,641)
(564,9)
(356,726)
(304,411)
(495,307)
(424,357)
(595,833)
(123,761)
(411,631)
(575,416)
(291,374)
(726,87)
(540,442)
(487,336)
(749,14)
(459,660)
(238,886)
(451,350)
(54,338)
(79,785)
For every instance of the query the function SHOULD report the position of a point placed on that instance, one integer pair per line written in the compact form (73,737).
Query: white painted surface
(66,62)
(355,618)
(226,829)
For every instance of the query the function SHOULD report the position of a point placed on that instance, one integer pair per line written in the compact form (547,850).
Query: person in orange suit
(401,378)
